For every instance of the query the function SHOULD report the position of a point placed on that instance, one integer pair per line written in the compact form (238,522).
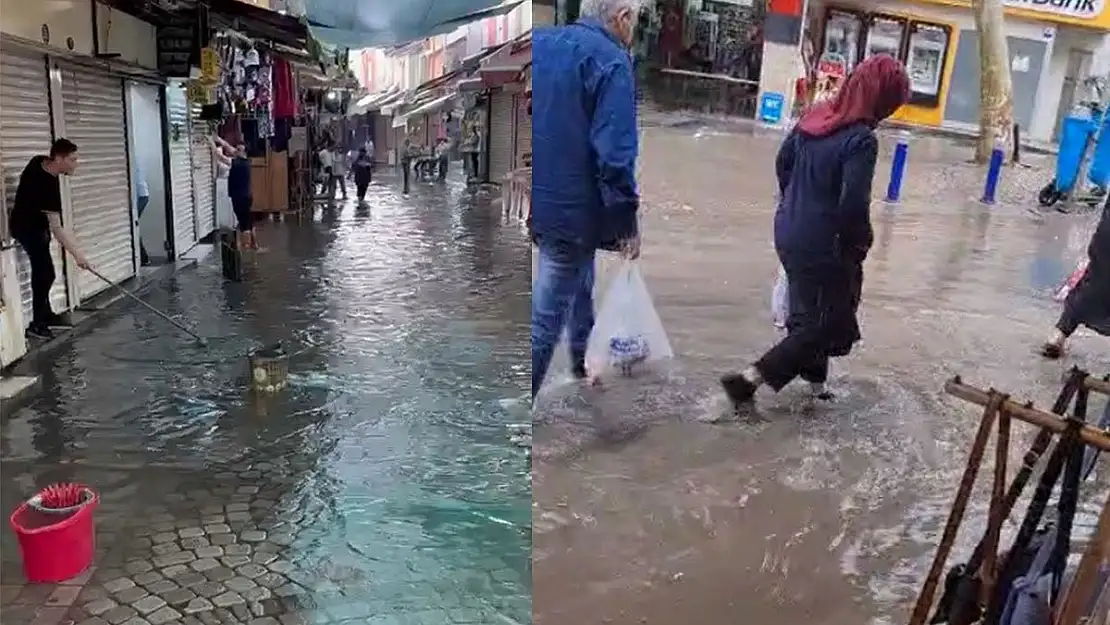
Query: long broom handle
(175,322)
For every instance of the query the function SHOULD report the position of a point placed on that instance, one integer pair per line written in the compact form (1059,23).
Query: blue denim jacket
(584,137)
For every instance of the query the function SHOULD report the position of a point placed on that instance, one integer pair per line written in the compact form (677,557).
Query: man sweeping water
(584,149)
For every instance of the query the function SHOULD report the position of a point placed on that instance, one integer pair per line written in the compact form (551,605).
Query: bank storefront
(1051,45)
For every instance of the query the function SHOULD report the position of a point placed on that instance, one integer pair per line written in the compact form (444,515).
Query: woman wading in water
(1089,302)
(823,227)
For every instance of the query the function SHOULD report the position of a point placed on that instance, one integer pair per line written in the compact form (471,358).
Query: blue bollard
(994,172)
(898,169)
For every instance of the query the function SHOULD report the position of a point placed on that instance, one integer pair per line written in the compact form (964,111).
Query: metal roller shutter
(523,130)
(500,136)
(25,132)
(181,170)
(204,180)
(100,190)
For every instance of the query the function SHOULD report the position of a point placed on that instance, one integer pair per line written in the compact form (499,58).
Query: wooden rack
(1000,409)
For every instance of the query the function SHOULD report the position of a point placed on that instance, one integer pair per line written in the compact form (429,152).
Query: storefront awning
(424,109)
(508,63)
(378,23)
(259,23)
(371,102)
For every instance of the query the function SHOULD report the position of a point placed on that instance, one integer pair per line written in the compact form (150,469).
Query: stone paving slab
(211,552)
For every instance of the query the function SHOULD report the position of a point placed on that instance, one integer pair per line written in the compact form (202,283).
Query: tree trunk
(996,97)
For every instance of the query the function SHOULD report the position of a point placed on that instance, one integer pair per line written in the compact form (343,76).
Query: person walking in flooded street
(822,228)
(584,150)
(1088,303)
(363,168)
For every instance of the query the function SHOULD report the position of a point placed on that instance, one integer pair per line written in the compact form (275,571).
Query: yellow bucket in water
(269,369)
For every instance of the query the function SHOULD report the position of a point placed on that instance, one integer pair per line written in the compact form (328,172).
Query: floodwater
(644,513)
(382,479)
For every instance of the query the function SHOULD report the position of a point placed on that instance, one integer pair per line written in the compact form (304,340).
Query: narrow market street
(379,488)
(644,514)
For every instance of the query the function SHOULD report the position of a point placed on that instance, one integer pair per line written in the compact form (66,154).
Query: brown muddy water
(644,513)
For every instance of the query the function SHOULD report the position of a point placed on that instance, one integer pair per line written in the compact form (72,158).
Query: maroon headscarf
(873,91)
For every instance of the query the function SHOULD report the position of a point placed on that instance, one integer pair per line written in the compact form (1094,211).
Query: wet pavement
(644,513)
(380,487)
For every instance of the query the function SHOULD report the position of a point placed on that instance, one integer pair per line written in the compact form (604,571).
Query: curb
(84,317)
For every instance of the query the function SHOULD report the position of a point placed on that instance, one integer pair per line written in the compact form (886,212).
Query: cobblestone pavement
(797,513)
(379,489)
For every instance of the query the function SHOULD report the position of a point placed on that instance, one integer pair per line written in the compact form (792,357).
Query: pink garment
(285,93)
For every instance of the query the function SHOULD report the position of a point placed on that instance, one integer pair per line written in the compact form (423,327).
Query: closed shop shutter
(383,139)
(25,132)
(500,136)
(204,181)
(181,170)
(95,119)
(523,130)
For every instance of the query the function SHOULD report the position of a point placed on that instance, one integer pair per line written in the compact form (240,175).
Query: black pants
(361,185)
(472,158)
(1088,303)
(822,325)
(443,167)
(406,172)
(37,248)
(243,216)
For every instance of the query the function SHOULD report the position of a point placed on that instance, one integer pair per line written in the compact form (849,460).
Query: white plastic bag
(780,300)
(628,334)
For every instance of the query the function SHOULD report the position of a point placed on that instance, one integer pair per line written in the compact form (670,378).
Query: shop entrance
(144,125)
(703,55)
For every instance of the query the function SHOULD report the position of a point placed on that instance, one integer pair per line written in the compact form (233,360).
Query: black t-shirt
(39,193)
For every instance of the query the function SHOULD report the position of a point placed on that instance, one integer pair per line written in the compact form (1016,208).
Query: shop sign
(209,66)
(1082,9)
(1091,13)
(771,105)
(197,92)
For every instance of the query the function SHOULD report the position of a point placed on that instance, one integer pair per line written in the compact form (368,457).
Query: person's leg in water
(816,373)
(342,182)
(361,186)
(406,167)
(244,218)
(804,352)
(562,276)
(443,162)
(42,280)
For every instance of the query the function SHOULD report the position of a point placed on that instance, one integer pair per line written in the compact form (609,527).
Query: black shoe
(57,321)
(825,396)
(1052,351)
(40,330)
(739,389)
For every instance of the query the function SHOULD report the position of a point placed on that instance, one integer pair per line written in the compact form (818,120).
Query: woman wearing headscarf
(823,227)
(1088,303)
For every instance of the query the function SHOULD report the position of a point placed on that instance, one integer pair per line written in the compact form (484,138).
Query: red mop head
(61,496)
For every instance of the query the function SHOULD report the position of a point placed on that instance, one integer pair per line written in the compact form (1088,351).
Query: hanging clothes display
(500,135)
(95,117)
(181,169)
(25,132)
(204,177)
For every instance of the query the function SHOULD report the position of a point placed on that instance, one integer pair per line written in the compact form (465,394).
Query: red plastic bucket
(55,546)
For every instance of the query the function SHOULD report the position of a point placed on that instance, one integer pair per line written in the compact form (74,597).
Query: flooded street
(645,514)
(380,487)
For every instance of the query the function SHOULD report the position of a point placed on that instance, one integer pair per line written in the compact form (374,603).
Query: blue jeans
(562,296)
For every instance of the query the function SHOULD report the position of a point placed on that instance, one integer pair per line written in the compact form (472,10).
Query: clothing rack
(999,411)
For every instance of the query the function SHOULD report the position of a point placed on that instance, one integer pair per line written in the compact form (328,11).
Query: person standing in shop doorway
(142,193)
(35,219)
(472,148)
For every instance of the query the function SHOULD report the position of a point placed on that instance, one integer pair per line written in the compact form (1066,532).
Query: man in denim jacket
(584,149)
